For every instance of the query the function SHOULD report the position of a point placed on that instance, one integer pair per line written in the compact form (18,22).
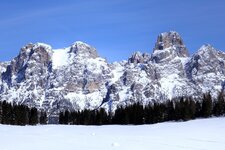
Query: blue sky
(117,28)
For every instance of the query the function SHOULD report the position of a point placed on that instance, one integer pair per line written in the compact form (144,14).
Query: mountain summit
(168,46)
(76,78)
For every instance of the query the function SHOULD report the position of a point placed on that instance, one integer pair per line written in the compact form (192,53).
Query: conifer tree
(33,118)
(170,111)
(207,105)
(178,109)
(192,108)
(61,118)
(6,113)
(43,118)
(0,112)
(67,116)
(219,105)
(148,114)
(198,109)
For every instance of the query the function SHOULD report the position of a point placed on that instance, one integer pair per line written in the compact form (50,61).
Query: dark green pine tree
(67,116)
(158,113)
(198,109)
(178,109)
(73,118)
(20,115)
(148,114)
(86,117)
(6,113)
(219,105)
(139,111)
(102,117)
(126,115)
(33,118)
(122,115)
(118,117)
(192,108)
(43,117)
(78,118)
(24,115)
(207,105)
(186,111)
(170,110)
(0,112)
(61,118)
(15,114)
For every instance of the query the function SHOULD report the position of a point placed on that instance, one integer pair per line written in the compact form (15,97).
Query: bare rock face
(26,77)
(3,67)
(206,68)
(80,48)
(169,39)
(138,57)
(76,78)
(54,80)
(210,60)
(168,46)
(80,81)
(170,72)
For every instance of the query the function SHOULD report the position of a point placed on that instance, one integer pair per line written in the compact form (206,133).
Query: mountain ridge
(77,78)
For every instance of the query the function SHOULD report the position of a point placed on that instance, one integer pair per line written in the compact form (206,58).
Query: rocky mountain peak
(168,46)
(208,53)
(207,49)
(38,52)
(42,45)
(167,40)
(75,78)
(139,57)
(83,49)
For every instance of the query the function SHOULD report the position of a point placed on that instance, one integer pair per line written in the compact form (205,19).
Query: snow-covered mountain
(77,78)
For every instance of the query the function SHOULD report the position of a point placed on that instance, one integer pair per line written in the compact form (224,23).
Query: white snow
(60,58)
(95,65)
(42,44)
(158,52)
(168,83)
(48,48)
(183,60)
(202,134)
(90,100)
(117,72)
(80,43)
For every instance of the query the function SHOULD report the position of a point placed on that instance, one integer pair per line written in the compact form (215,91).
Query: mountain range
(77,78)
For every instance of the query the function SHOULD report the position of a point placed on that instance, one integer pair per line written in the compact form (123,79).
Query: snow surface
(117,72)
(60,57)
(202,134)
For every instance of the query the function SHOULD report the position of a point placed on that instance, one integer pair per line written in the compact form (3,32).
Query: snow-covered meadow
(201,134)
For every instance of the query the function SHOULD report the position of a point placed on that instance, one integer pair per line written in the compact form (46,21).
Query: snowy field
(202,134)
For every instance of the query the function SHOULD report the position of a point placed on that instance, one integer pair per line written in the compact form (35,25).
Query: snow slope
(60,57)
(202,134)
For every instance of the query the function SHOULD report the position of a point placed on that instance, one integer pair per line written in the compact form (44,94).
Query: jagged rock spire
(171,39)
(139,57)
(168,46)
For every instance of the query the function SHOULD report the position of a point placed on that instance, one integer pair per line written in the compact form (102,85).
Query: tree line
(178,109)
(85,117)
(14,114)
